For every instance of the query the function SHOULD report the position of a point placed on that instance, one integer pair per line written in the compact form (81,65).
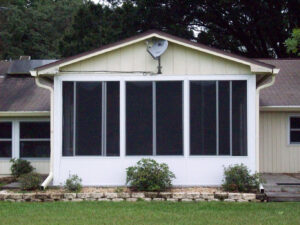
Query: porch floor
(282,187)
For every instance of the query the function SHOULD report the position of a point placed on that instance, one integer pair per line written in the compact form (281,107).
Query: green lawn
(149,213)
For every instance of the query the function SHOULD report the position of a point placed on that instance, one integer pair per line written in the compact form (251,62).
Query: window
(34,139)
(218,118)
(5,139)
(294,132)
(154,118)
(91,118)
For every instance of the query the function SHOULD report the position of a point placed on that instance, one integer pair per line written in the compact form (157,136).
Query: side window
(34,139)
(5,139)
(294,132)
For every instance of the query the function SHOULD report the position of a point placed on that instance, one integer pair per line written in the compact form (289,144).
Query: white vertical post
(122,118)
(186,117)
(15,139)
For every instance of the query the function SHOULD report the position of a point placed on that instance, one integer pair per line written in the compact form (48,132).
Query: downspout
(257,117)
(50,176)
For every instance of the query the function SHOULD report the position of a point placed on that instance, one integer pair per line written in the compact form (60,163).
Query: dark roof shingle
(20,93)
(286,89)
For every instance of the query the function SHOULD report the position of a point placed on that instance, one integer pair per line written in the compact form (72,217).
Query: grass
(149,213)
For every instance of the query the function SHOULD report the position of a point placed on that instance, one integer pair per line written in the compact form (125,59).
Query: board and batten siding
(41,166)
(276,154)
(177,60)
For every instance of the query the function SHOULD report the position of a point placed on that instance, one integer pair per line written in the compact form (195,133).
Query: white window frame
(8,139)
(123,78)
(292,129)
(16,137)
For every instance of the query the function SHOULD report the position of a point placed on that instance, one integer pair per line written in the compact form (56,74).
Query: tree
(293,43)
(33,27)
(250,28)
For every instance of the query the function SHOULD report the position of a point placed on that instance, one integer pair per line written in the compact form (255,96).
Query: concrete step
(282,188)
(282,197)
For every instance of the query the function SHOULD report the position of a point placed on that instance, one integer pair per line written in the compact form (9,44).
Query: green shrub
(73,183)
(30,181)
(148,175)
(20,167)
(238,178)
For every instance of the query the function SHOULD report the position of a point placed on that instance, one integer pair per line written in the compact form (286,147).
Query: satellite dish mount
(156,48)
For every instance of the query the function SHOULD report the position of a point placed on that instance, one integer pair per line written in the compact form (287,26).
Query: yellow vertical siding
(276,155)
(177,60)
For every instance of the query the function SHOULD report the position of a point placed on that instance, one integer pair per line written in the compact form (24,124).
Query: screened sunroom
(193,108)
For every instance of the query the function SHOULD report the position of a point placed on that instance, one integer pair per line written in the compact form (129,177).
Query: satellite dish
(157,48)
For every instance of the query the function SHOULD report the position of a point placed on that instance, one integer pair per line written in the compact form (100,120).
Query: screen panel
(224,118)
(88,118)
(169,124)
(239,118)
(68,118)
(113,119)
(203,117)
(139,121)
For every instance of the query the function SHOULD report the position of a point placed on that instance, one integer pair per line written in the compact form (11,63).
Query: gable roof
(256,66)
(286,89)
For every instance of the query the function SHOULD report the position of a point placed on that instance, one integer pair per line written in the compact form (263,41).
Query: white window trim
(289,130)
(142,77)
(16,137)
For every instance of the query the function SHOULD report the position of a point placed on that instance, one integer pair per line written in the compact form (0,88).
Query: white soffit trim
(24,114)
(55,69)
(279,108)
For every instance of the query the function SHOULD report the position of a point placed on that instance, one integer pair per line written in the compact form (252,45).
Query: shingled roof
(286,89)
(19,93)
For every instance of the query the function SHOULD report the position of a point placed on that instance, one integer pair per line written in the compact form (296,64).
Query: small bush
(238,178)
(148,175)
(20,167)
(30,181)
(73,183)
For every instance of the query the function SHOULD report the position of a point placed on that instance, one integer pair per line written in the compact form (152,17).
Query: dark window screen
(203,117)
(224,115)
(33,149)
(169,118)
(68,118)
(88,118)
(113,119)
(295,137)
(139,118)
(239,118)
(5,130)
(34,130)
(295,122)
(5,149)
(5,145)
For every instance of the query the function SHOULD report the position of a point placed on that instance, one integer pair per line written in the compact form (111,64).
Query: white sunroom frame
(249,160)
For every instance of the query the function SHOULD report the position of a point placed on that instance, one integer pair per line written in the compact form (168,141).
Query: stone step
(282,197)
(282,188)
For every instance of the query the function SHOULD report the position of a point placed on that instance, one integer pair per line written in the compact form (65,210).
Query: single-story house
(195,108)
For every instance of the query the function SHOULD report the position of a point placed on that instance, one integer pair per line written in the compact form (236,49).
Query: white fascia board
(279,108)
(24,114)
(254,68)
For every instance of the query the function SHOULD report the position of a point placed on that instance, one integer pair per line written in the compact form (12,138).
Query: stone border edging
(133,197)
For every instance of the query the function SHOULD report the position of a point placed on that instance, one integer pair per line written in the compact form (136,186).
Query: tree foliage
(55,28)
(34,27)
(293,43)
